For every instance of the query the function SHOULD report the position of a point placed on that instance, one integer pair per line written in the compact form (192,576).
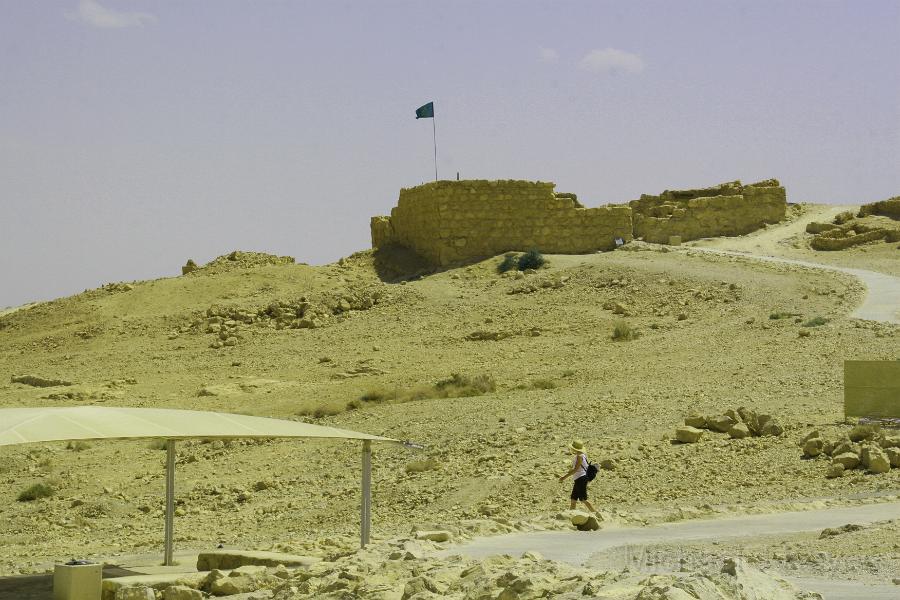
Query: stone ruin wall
(726,209)
(452,222)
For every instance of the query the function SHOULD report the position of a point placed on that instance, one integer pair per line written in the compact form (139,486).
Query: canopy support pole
(366,504)
(170,502)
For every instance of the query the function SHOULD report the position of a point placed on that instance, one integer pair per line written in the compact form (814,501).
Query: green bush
(816,322)
(508,263)
(623,332)
(531,260)
(36,491)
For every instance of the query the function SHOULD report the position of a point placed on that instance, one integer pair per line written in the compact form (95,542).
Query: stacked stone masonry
(726,209)
(454,222)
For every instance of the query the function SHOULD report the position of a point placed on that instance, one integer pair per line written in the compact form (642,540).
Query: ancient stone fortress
(453,222)
(726,209)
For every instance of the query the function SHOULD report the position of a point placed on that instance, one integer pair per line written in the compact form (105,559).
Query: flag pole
(434,137)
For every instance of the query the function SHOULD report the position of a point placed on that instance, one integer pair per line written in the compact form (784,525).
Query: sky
(135,134)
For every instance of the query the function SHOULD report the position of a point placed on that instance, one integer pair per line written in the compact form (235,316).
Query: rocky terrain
(492,374)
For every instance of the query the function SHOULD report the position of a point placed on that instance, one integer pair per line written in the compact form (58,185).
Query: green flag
(425,111)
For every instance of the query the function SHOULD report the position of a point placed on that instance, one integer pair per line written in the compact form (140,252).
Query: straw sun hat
(576,446)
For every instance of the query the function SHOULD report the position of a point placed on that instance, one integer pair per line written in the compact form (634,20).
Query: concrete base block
(232,559)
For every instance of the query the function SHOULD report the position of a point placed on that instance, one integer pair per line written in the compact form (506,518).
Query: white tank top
(581,468)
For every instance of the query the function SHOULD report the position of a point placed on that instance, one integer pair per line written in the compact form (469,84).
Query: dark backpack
(591,471)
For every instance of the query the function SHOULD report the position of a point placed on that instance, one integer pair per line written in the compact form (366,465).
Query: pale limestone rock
(720,423)
(848,460)
(688,434)
(813,447)
(135,593)
(181,592)
(434,536)
(739,431)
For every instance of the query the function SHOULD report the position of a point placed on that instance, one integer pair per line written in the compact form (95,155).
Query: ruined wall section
(451,222)
(727,209)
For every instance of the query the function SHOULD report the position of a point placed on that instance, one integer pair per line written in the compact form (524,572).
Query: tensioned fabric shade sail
(28,425)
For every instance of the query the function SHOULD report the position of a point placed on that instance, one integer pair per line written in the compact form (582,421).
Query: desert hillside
(494,374)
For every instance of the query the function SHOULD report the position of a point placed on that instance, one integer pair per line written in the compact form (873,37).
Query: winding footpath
(882,300)
(600,548)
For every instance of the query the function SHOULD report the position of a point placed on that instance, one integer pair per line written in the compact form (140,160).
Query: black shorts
(579,488)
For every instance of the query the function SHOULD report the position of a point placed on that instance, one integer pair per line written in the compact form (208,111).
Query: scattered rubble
(863,446)
(738,424)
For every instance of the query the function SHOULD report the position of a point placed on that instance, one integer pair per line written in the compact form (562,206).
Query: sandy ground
(706,343)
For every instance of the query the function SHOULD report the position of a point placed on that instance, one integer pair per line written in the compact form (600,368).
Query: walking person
(579,474)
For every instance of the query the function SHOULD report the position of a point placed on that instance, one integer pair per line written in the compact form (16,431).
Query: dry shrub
(78,445)
(421,466)
(623,332)
(36,491)
(455,386)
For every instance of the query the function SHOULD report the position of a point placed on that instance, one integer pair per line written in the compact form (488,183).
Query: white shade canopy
(28,425)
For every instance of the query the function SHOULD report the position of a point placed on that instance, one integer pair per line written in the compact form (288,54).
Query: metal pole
(434,137)
(170,501)
(366,504)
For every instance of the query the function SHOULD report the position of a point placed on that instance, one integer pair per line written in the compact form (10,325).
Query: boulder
(589,523)
(893,455)
(235,582)
(181,592)
(434,536)
(876,460)
(135,593)
(770,427)
(834,470)
(720,423)
(579,518)
(843,447)
(739,431)
(688,434)
(813,447)
(848,460)
(698,421)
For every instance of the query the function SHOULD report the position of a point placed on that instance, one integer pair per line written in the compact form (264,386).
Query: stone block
(232,559)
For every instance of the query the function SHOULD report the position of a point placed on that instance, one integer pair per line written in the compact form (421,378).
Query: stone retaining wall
(452,222)
(727,209)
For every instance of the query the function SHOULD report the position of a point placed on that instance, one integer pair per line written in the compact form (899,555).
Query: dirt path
(580,548)
(882,301)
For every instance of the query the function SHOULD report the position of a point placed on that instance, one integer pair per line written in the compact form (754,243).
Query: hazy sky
(135,134)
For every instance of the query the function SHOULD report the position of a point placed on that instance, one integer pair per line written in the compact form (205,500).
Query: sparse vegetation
(816,322)
(459,386)
(353,405)
(455,386)
(531,260)
(36,491)
(775,316)
(623,332)
(78,445)
(157,444)
(421,466)
(509,262)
